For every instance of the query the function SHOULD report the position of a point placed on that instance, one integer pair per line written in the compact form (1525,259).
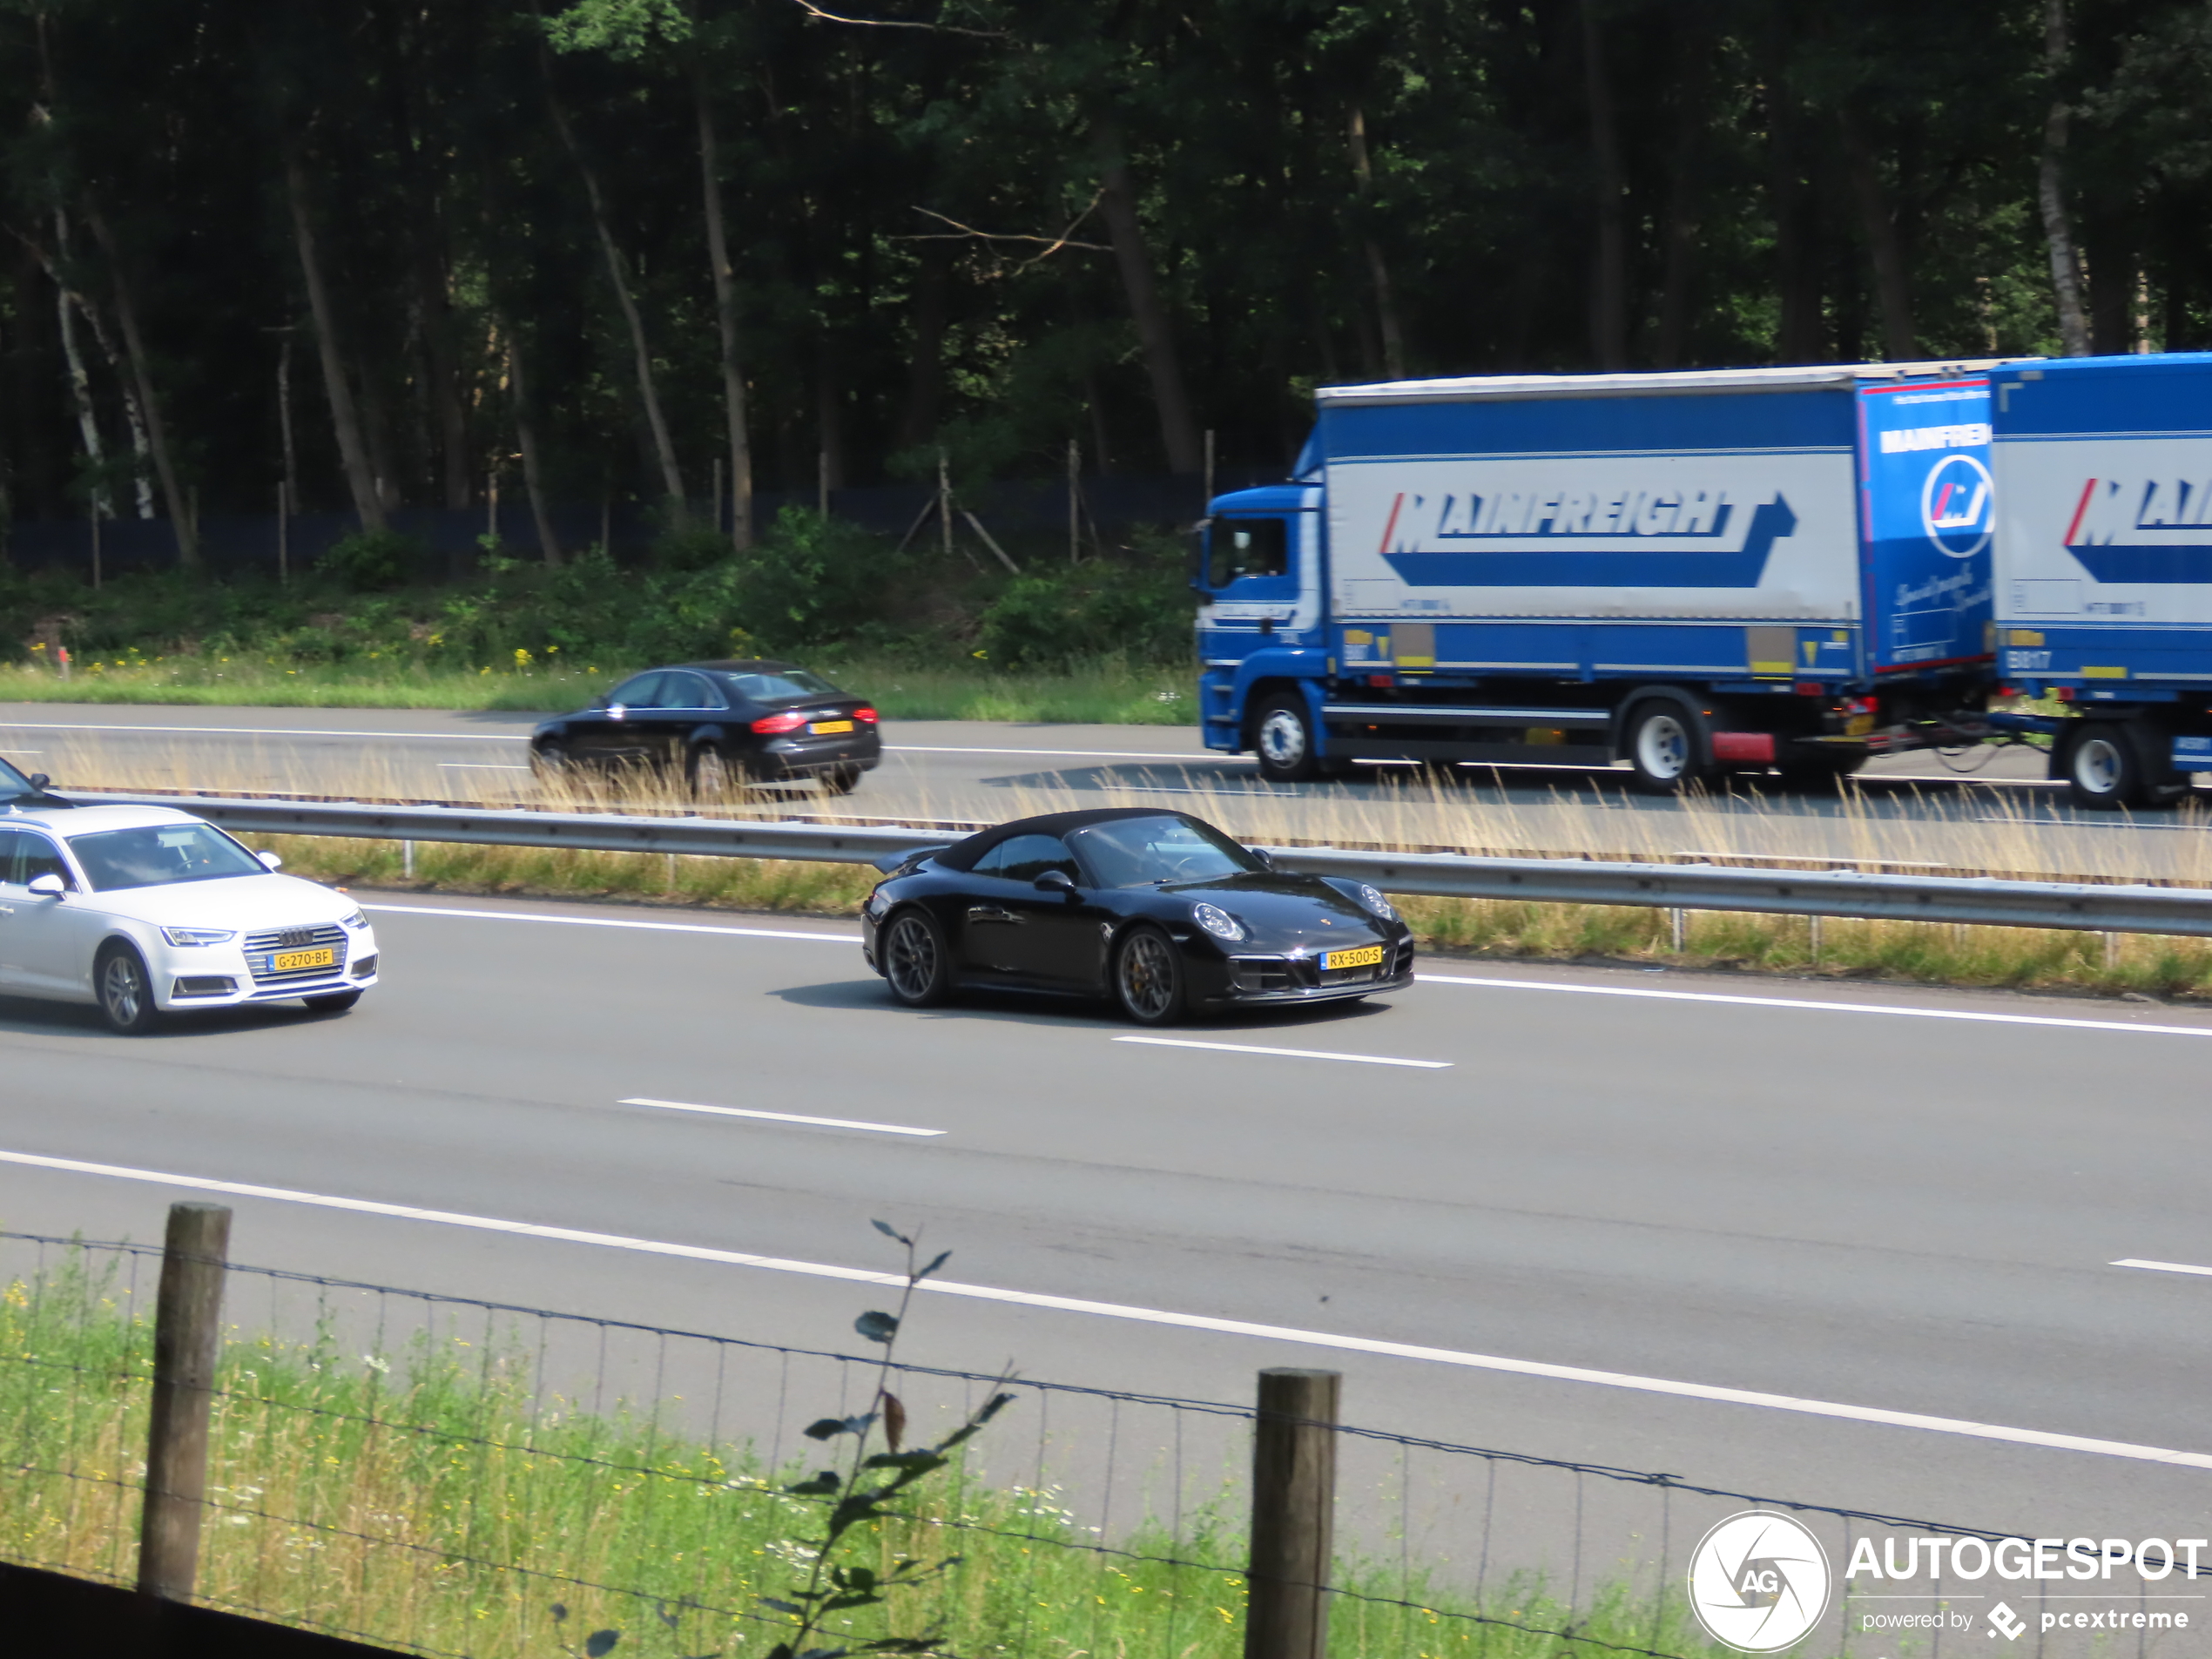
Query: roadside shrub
(1048,619)
(368,561)
(811,579)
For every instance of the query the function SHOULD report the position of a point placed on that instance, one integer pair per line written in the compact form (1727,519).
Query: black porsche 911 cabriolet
(1156,911)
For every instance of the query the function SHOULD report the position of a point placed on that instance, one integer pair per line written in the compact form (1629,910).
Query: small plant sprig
(864,1492)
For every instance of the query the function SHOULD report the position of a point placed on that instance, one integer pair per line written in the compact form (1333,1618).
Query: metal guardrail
(1977,900)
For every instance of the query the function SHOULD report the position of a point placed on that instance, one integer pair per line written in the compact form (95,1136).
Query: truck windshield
(1242,547)
(1151,851)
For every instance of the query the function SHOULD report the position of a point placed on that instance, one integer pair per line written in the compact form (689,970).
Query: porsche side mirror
(1266,859)
(39,781)
(48,885)
(270,860)
(1055,882)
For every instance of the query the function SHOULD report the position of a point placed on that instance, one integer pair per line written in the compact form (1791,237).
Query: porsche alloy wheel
(916,964)
(1148,978)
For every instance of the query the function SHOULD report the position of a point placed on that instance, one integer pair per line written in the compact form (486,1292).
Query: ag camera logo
(1759,1581)
(1955,506)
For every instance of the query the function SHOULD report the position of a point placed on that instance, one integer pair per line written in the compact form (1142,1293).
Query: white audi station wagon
(145,912)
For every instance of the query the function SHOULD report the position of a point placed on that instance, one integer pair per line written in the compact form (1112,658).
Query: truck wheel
(1283,739)
(1662,743)
(2103,772)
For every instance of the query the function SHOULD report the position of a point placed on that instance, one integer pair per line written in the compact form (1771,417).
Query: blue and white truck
(1744,569)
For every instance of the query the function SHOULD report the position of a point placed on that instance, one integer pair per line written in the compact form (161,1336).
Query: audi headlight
(357,922)
(198,935)
(1377,903)
(1218,921)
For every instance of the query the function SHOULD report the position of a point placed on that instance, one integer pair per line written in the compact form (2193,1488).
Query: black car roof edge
(962,855)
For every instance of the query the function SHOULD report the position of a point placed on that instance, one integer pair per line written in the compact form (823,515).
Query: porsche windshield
(1148,851)
(161,853)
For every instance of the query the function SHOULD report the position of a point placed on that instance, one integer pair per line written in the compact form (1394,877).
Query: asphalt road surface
(1841,1245)
(1914,809)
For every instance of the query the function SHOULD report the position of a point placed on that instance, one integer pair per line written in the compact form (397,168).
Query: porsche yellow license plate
(823,728)
(290,961)
(1366,956)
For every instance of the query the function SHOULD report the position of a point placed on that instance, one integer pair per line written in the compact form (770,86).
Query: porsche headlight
(198,935)
(1377,903)
(1218,921)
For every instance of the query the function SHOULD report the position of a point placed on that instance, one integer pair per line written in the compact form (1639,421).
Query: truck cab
(1262,631)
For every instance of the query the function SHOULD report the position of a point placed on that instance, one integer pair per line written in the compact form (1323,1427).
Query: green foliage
(372,561)
(1050,619)
(810,580)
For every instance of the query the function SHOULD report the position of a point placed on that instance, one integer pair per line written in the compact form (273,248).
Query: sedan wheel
(841,781)
(126,995)
(549,761)
(1148,978)
(916,963)
(712,776)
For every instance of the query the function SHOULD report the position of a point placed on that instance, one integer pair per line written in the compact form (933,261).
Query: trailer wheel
(1284,741)
(1662,746)
(2103,772)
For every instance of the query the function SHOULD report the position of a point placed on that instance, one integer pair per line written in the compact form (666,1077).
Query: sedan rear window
(1147,852)
(780,686)
(161,853)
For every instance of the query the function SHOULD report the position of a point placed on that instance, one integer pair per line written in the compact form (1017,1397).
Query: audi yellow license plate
(290,961)
(824,728)
(1366,956)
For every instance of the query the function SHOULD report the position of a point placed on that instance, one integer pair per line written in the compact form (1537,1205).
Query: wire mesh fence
(442,1475)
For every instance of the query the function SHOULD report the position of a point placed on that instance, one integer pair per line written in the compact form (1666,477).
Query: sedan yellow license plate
(823,728)
(290,961)
(1366,956)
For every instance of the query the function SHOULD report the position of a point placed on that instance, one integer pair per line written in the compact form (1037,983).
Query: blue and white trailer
(2103,469)
(1695,573)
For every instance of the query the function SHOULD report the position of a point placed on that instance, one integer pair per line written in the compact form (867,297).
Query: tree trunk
(725,318)
(444,362)
(1393,336)
(648,391)
(80,383)
(184,522)
(926,355)
(1178,430)
(1678,237)
(1884,243)
(549,545)
(2050,192)
(345,417)
(1609,272)
(1800,330)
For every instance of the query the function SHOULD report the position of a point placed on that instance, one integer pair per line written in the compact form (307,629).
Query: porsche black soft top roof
(962,855)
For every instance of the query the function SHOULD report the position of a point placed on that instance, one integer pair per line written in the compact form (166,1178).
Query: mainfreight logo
(1583,538)
(2143,530)
(1954,506)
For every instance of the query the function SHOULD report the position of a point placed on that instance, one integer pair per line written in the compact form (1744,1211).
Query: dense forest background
(386,252)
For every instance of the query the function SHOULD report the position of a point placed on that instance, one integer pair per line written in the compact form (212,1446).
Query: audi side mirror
(600,701)
(1055,882)
(48,885)
(39,781)
(270,860)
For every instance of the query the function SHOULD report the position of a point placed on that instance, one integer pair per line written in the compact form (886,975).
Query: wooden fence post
(1294,1494)
(187,1334)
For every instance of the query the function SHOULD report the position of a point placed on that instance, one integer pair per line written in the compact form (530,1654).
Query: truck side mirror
(1201,543)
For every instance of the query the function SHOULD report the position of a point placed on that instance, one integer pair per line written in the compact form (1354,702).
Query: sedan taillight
(866,715)
(789,720)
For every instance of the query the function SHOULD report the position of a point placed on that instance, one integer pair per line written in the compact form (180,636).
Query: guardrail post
(187,1334)
(1294,1494)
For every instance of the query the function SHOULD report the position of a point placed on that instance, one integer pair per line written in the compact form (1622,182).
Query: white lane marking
(782,1117)
(1153,1316)
(609,922)
(261,731)
(478,766)
(1822,1008)
(1290,1054)
(1071,754)
(2162,1267)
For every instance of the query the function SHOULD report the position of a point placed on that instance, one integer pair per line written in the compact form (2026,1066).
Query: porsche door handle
(991,912)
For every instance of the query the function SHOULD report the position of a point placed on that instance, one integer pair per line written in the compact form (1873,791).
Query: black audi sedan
(724,725)
(1156,911)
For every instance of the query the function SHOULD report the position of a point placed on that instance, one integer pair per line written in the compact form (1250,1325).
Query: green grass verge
(1106,692)
(1906,952)
(433,1498)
